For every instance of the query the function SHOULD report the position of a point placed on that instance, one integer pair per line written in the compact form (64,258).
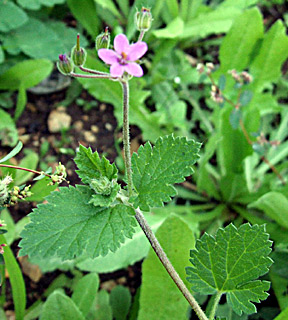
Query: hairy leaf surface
(91,166)
(230,263)
(156,169)
(67,226)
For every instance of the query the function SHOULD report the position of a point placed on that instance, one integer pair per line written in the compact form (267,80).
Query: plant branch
(126,137)
(141,35)
(98,76)
(168,265)
(93,71)
(216,298)
(25,169)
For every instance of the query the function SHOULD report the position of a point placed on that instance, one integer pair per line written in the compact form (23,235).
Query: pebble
(78,125)
(108,126)
(58,119)
(89,136)
(94,129)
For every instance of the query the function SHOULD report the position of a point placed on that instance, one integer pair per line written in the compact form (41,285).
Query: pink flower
(124,56)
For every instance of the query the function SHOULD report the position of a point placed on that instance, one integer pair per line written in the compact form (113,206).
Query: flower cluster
(243,77)
(59,175)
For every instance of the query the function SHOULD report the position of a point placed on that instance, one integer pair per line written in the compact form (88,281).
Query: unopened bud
(210,66)
(78,54)
(200,68)
(65,64)
(143,19)
(247,78)
(103,40)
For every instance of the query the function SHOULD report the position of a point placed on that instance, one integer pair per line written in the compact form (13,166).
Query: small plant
(97,216)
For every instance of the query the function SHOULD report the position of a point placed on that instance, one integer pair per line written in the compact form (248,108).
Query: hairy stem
(168,265)
(141,35)
(93,71)
(24,169)
(215,305)
(97,76)
(126,137)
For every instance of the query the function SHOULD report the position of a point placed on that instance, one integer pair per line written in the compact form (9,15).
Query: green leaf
(283,315)
(11,16)
(108,4)
(230,263)
(36,4)
(156,169)
(10,225)
(85,292)
(27,74)
(49,41)
(236,48)
(91,166)
(2,55)
(85,13)
(214,22)
(21,102)
(245,97)
(280,286)
(235,117)
(266,67)
(59,306)
(102,307)
(158,290)
(120,301)
(275,205)
(8,131)
(16,280)
(13,152)
(172,30)
(75,226)
(30,161)
(131,251)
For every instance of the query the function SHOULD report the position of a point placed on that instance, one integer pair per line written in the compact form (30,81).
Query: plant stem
(168,265)
(98,76)
(215,305)
(141,35)
(94,71)
(24,169)
(126,137)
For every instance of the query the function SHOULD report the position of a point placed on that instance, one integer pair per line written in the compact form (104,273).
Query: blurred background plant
(232,180)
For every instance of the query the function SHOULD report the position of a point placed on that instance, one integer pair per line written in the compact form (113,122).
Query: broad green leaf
(11,16)
(85,13)
(120,301)
(225,312)
(2,55)
(36,4)
(91,166)
(21,101)
(241,4)
(108,4)
(61,307)
(236,48)
(27,74)
(245,97)
(102,309)
(16,280)
(275,205)
(13,152)
(8,131)
(218,21)
(85,292)
(49,41)
(173,7)
(30,161)
(172,30)
(235,117)
(10,226)
(158,290)
(266,67)
(229,263)
(75,226)
(131,251)
(41,189)
(156,169)
(283,315)
(280,286)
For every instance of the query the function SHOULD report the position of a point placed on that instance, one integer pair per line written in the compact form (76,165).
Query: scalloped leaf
(91,166)
(230,263)
(156,169)
(67,226)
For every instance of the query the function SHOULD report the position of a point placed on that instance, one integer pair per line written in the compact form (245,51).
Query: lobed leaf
(230,263)
(91,166)
(156,169)
(68,226)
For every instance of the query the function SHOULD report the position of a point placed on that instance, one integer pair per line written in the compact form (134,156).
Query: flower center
(123,59)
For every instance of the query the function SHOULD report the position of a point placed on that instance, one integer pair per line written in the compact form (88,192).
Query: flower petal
(116,70)
(134,69)
(136,51)
(121,44)
(108,56)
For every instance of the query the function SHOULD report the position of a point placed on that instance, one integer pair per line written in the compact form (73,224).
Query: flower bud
(103,40)
(65,64)
(143,19)
(78,54)
(102,186)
